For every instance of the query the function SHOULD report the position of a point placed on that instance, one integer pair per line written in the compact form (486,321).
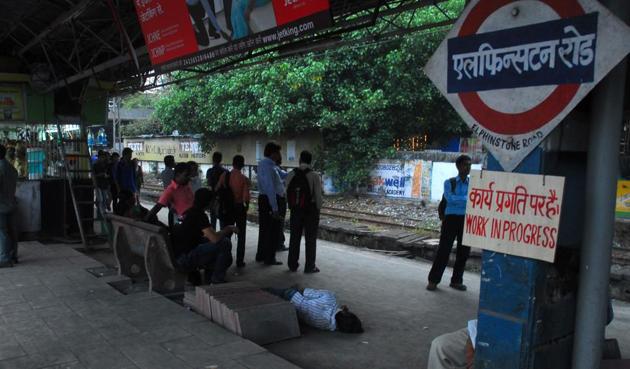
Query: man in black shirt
(197,245)
(212,177)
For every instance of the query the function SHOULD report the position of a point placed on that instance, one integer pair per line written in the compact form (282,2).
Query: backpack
(442,206)
(225,201)
(213,175)
(299,192)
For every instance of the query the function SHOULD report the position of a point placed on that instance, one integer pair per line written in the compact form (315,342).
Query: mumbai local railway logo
(514,69)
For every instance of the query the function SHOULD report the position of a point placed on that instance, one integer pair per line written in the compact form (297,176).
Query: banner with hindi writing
(512,213)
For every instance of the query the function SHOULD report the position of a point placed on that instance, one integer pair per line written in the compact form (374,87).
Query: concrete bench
(142,251)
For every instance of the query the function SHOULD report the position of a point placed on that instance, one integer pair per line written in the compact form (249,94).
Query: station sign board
(514,69)
(512,213)
(182,33)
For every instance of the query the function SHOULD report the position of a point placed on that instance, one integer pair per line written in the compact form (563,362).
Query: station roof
(62,42)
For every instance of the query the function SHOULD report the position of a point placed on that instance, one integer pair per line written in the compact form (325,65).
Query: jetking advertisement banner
(181,33)
(395,178)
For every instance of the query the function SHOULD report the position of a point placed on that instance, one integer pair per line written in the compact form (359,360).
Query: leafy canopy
(361,98)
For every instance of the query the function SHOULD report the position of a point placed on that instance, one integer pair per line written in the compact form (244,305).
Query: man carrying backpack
(233,196)
(452,227)
(304,198)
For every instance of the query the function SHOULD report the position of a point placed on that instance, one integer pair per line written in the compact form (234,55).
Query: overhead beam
(77,10)
(97,69)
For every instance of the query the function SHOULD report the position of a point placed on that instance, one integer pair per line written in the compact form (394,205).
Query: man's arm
(214,236)
(153,212)
(450,196)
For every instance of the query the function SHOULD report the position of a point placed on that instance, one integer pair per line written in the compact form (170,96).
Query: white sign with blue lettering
(514,69)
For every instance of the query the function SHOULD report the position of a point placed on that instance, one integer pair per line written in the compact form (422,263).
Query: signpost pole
(602,174)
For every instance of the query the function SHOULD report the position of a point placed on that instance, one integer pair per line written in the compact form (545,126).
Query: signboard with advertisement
(12,107)
(516,214)
(395,178)
(156,149)
(181,33)
(622,206)
(514,69)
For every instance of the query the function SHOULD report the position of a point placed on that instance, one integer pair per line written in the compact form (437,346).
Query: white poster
(512,213)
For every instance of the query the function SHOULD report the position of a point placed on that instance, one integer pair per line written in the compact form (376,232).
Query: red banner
(181,33)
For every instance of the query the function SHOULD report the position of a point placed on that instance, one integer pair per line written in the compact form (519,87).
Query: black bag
(442,206)
(213,175)
(299,192)
(225,200)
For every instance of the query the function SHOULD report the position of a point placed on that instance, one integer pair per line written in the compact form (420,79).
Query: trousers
(307,221)
(452,228)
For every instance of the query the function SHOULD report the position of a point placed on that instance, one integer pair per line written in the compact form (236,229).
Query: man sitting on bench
(197,245)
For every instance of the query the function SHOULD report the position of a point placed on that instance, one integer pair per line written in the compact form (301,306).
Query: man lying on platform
(197,245)
(319,309)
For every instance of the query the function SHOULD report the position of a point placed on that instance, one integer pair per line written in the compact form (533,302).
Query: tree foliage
(361,97)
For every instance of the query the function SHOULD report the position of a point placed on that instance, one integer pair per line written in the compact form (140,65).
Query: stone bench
(143,251)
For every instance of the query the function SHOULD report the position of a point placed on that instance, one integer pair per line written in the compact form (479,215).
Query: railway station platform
(58,315)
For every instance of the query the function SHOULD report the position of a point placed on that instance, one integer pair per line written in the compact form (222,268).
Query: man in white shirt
(455,350)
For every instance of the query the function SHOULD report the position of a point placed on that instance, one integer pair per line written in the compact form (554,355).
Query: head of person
(272,151)
(203,198)
(238,162)
(181,174)
(101,154)
(217,157)
(193,168)
(169,161)
(3,152)
(126,153)
(306,157)
(115,156)
(463,163)
(348,322)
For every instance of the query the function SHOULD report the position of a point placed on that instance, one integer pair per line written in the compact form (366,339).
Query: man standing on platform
(178,196)
(8,183)
(167,174)
(304,196)
(455,195)
(270,200)
(238,185)
(212,178)
(125,174)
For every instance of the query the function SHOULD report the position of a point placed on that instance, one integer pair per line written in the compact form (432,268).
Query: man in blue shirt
(270,202)
(453,227)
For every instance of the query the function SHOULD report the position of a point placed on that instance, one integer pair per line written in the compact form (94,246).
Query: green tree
(361,97)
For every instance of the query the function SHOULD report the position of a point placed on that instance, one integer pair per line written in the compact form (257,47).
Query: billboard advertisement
(182,33)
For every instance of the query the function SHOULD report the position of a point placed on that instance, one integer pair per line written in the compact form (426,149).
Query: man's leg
(310,235)
(282,210)
(5,241)
(14,234)
(296,226)
(241,224)
(222,261)
(264,224)
(448,351)
(461,256)
(447,237)
(283,293)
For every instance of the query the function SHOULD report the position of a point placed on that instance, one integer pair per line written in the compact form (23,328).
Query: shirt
(8,183)
(179,198)
(167,176)
(269,182)
(317,308)
(101,171)
(126,176)
(472,332)
(314,183)
(456,202)
(189,234)
(239,184)
(213,174)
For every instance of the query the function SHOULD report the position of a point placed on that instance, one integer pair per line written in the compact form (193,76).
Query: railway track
(359,216)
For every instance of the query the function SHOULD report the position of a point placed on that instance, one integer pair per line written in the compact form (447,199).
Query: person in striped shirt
(319,309)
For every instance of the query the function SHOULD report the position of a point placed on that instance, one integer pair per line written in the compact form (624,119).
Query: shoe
(458,286)
(275,262)
(283,248)
(311,270)
(6,264)
(431,286)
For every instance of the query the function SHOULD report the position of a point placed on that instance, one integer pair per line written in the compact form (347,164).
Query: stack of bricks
(246,310)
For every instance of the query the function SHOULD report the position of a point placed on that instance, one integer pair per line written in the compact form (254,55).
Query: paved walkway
(54,314)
